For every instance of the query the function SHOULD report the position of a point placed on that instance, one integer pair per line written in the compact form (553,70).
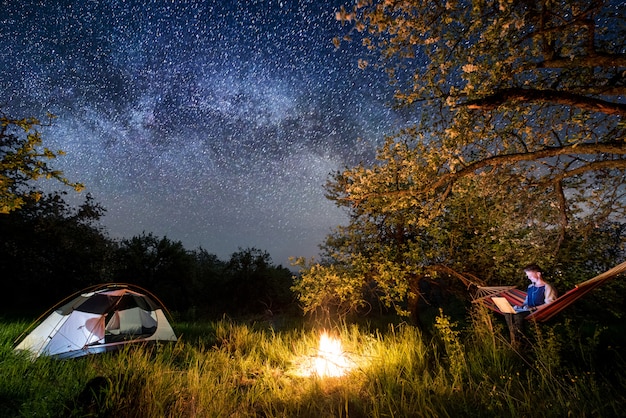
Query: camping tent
(100,319)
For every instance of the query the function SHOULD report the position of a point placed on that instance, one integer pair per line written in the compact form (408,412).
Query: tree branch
(561,98)
(447,179)
(592,60)
(592,166)
(468,282)
(560,195)
(577,149)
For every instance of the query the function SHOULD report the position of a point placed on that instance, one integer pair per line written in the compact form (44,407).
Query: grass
(231,369)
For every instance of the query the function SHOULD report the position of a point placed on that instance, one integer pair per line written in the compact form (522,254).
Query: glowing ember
(330,360)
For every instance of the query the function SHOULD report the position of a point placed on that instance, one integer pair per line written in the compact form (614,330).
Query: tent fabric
(98,321)
(546,312)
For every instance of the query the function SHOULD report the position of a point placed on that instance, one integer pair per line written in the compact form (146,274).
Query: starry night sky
(214,123)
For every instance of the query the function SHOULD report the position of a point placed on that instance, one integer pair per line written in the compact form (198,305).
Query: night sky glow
(214,123)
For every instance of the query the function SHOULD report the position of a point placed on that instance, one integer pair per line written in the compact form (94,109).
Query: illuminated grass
(228,369)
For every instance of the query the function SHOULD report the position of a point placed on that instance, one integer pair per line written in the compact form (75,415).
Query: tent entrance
(129,324)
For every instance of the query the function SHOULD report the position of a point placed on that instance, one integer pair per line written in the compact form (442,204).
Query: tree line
(51,250)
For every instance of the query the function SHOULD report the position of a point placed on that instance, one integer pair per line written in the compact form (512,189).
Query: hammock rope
(545,312)
(489,291)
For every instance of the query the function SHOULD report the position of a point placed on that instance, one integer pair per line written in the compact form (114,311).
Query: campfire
(330,360)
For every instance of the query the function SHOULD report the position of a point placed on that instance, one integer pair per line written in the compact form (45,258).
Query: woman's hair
(533,267)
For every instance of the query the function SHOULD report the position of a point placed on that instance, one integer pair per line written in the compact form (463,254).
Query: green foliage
(453,348)
(23,160)
(329,289)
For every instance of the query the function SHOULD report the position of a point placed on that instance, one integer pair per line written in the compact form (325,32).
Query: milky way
(208,123)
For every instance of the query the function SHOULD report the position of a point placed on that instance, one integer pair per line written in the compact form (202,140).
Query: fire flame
(330,360)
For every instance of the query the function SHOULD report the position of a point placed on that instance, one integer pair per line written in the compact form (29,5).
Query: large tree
(519,142)
(532,89)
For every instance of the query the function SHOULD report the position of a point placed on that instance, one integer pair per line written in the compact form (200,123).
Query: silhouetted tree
(209,285)
(255,284)
(50,250)
(160,265)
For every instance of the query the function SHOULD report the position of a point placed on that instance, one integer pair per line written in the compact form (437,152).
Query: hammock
(545,312)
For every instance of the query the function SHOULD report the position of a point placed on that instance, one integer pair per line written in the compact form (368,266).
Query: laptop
(504,305)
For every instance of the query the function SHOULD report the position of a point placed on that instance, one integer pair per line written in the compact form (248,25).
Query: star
(212,123)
